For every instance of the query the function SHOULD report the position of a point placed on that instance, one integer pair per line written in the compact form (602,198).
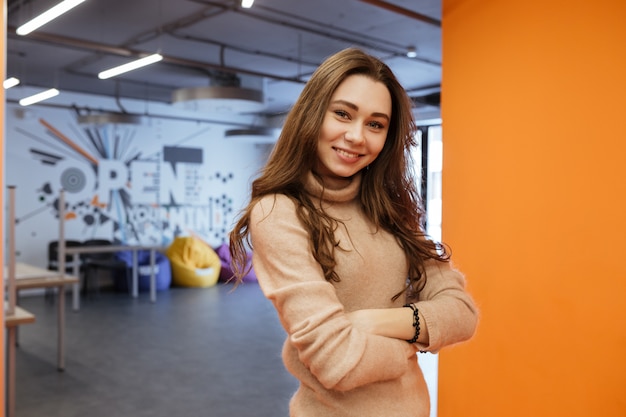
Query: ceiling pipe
(423,90)
(113,50)
(403,11)
(173,26)
(88,110)
(354,40)
(351,37)
(243,50)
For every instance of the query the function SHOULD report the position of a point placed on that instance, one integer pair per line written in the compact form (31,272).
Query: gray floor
(195,352)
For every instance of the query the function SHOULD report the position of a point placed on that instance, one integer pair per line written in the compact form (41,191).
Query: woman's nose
(354,134)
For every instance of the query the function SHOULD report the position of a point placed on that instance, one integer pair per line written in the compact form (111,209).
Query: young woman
(335,225)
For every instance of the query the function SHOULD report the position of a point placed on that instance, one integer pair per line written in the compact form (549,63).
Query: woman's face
(354,128)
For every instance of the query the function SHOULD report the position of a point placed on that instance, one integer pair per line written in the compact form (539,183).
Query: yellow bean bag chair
(194,263)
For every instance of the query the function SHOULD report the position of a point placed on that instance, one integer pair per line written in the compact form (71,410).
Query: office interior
(532,191)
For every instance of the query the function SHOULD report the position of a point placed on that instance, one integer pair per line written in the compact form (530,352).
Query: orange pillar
(534,205)
(2,78)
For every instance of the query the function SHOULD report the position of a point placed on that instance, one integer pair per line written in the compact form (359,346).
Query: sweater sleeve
(448,310)
(339,356)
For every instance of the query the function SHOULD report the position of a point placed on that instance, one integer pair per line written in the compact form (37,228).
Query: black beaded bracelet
(416,322)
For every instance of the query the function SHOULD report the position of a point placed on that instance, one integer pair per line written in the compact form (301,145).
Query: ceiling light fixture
(130,66)
(411,52)
(47,16)
(10,82)
(246,4)
(226,99)
(36,98)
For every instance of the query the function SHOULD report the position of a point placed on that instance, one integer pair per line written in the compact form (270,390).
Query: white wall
(124,190)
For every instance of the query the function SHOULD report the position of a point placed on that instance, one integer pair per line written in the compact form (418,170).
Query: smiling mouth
(346,153)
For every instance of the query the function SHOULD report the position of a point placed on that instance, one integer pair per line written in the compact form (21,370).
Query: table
(77,250)
(28,276)
(18,317)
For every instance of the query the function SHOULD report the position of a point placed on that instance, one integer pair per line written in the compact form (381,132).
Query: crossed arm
(389,322)
(447,312)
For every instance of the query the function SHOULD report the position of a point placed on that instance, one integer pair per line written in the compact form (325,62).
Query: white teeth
(347,154)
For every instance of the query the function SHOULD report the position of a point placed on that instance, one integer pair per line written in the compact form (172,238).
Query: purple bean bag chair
(162,271)
(226,272)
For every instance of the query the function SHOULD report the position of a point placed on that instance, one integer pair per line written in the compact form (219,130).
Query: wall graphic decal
(126,183)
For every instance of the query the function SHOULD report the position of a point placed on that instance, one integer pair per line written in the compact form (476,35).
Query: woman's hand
(363,320)
(389,322)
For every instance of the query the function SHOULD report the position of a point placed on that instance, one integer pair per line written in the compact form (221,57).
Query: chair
(95,262)
(194,263)
(53,255)
(162,270)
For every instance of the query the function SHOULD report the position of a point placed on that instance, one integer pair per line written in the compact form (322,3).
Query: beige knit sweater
(343,371)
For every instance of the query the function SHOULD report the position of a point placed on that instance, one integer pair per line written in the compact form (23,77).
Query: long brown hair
(388,194)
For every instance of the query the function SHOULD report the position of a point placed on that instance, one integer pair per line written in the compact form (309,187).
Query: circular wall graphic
(73,180)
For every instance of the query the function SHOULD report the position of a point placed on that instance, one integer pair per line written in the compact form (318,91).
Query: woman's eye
(342,114)
(376,125)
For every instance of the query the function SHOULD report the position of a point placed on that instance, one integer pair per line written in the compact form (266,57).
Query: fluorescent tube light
(36,98)
(246,4)
(47,16)
(142,62)
(10,82)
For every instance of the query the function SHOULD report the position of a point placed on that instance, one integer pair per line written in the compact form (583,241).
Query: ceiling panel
(276,44)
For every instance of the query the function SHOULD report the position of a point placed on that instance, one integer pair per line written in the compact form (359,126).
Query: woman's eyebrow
(356,108)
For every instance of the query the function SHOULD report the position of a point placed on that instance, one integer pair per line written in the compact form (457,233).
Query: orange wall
(534,205)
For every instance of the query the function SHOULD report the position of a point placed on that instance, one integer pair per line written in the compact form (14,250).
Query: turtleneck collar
(336,195)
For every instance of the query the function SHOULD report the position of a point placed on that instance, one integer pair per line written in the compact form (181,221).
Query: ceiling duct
(432,99)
